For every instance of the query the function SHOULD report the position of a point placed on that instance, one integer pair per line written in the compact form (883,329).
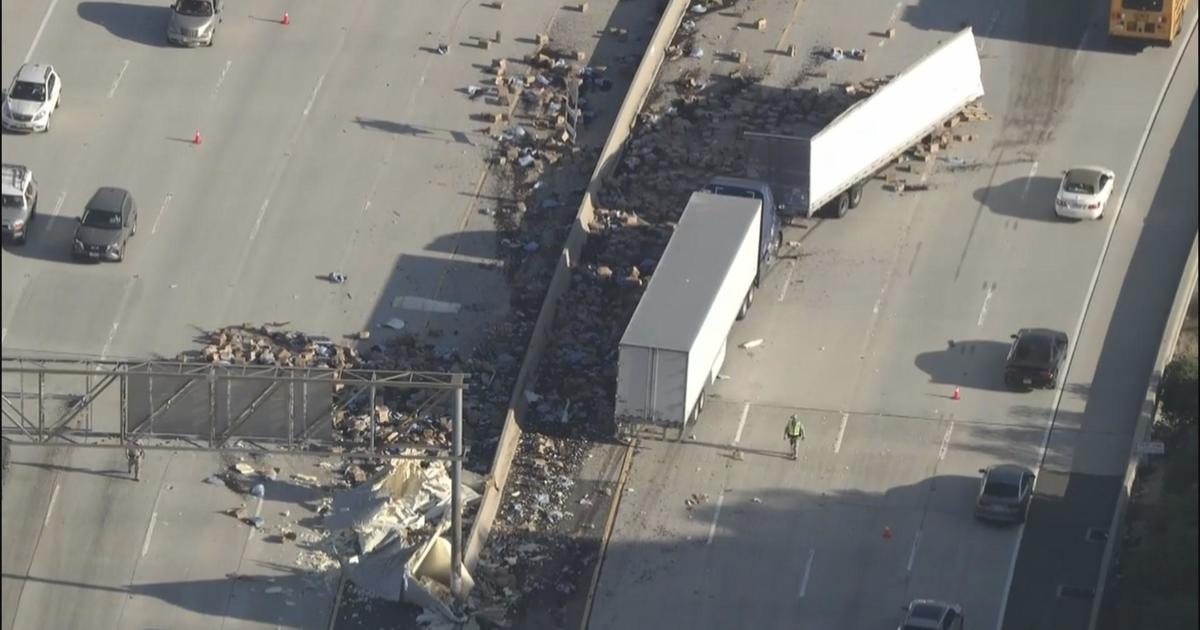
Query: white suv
(35,93)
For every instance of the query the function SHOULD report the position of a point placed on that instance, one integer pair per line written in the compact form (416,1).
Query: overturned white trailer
(829,168)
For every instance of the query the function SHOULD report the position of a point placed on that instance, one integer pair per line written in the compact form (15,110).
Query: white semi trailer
(675,342)
(829,168)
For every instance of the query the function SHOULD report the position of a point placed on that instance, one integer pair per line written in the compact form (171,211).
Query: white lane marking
(712,529)
(112,334)
(42,27)
(113,90)
(50,508)
(221,79)
(807,572)
(1029,179)
(414,303)
(161,211)
(912,555)
(262,212)
(62,196)
(983,311)
(1079,48)
(149,534)
(988,31)
(312,99)
(1112,226)
(737,437)
(3,334)
(837,445)
(787,281)
(945,442)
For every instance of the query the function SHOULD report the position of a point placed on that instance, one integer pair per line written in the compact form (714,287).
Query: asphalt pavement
(869,330)
(339,142)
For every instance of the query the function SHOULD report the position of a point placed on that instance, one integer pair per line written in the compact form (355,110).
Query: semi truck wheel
(840,206)
(856,195)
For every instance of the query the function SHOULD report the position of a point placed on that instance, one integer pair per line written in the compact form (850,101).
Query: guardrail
(1174,324)
(510,436)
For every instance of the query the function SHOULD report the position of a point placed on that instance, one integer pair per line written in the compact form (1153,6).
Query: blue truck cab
(771,239)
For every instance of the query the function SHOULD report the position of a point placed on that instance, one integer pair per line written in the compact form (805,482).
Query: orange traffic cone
(957,395)
(887,531)
(196,139)
(286,19)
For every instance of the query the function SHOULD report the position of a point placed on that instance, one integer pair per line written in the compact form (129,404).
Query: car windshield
(1003,488)
(103,219)
(1081,181)
(13,201)
(1032,349)
(27,91)
(197,8)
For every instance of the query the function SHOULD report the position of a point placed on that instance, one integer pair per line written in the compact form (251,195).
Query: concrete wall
(510,437)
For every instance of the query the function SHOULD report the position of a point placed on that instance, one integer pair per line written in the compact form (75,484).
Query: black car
(108,220)
(930,614)
(1004,493)
(1035,358)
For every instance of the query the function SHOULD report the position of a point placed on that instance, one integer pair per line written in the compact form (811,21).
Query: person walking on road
(794,432)
(134,454)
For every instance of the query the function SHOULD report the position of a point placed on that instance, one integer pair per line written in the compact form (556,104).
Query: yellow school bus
(1153,20)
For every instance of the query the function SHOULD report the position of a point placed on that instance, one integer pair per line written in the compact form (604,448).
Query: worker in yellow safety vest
(794,432)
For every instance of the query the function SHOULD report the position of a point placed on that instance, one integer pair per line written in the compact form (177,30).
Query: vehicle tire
(840,206)
(745,308)
(58,103)
(700,402)
(856,195)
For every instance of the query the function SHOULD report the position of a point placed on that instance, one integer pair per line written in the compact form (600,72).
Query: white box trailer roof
(808,172)
(683,319)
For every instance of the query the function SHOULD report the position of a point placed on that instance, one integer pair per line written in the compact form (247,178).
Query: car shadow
(135,22)
(975,364)
(1029,198)
(49,239)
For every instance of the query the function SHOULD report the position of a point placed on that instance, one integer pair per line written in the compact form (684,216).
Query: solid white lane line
(113,90)
(945,442)
(1029,179)
(712,529)
(221,79)
(42,27)
(50,508)
(3,334)
(1079,48)
(737,437)
(787,281)
(807,572)
(983,311)
(912,555)
(149,534)
(312,99)
(262,212)
(161,211)
(837,445)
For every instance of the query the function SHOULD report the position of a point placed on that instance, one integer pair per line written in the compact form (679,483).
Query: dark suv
(1035,358)
(108,220)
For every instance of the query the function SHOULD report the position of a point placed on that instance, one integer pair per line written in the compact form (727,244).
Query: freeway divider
(510,436)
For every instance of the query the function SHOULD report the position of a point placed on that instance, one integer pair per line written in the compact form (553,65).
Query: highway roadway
(867,334)
(339,142)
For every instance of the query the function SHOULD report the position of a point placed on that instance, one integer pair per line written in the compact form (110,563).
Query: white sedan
(1083,192)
